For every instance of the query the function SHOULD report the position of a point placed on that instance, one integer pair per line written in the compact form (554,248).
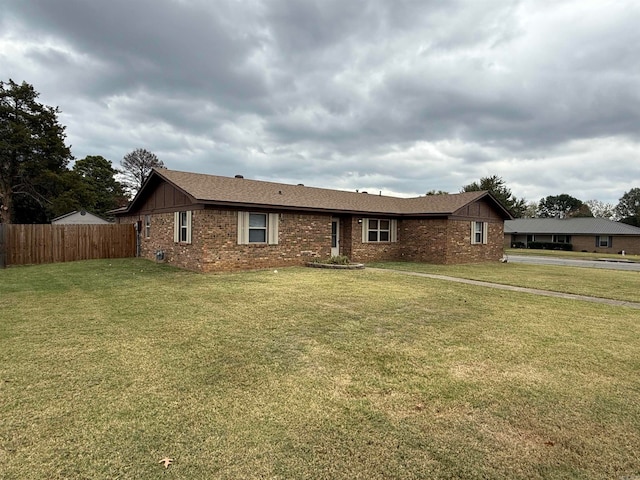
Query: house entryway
(335,237)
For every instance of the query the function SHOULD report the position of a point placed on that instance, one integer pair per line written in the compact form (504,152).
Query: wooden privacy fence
(28,244)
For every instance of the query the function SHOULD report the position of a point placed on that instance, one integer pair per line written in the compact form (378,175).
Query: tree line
(36,184)
(560,206)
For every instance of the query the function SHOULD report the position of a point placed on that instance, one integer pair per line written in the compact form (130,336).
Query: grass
(106,367)
(612,284)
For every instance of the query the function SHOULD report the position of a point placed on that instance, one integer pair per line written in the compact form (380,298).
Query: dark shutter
(597,241)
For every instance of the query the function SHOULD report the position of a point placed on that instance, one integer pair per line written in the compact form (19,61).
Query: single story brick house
(583,233)
(214,223)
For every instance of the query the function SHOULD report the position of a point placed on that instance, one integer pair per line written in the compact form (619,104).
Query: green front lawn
(106,367)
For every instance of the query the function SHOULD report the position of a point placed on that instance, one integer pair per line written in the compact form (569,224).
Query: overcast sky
(398,96)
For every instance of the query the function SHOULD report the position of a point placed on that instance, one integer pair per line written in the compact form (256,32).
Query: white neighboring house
(79,217)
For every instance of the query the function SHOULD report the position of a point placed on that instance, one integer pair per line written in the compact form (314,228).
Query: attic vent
(365,192)
(301,184)
(239,176)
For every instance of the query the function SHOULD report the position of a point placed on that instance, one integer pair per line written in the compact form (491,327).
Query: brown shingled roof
(214,189)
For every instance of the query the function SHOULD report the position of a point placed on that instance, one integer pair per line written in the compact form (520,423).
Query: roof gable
(79,217)
(212,189)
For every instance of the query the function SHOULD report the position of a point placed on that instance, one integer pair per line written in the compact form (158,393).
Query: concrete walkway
(533,291)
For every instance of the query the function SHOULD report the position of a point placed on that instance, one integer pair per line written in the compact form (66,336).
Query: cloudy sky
(398,96)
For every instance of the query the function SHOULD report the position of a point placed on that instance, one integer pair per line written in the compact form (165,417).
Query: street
(574,263)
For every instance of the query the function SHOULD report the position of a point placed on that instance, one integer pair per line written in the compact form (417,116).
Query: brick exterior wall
(304,237)
(630,245)
(443,241)
(460,249)
(214,247)
(367,252)
(424,240)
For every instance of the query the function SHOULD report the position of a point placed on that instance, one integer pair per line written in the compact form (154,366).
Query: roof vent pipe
(239,176)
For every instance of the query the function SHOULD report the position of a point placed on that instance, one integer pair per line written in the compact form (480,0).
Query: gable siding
(479,210)
(165,197)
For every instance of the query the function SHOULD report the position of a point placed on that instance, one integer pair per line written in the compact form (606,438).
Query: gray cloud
(403,96)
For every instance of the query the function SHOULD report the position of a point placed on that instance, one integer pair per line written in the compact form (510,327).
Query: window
(182,227)
(147,226)
(258,228)
(479,233)
(376,230)
(561,239)
(604,241)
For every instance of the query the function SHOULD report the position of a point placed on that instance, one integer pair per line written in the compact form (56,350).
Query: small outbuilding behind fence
(34,244)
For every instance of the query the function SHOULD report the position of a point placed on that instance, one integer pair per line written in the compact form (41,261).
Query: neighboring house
(212,223)
(585,234)
(80,217)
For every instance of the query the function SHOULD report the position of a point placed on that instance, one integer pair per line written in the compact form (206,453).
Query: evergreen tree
(33,155)
(498,188)
(562,206)
(628,208)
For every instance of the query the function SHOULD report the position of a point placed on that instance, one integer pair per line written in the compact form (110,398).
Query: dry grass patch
(107,368)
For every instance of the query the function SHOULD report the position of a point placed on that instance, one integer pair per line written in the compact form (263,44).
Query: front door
(335,237)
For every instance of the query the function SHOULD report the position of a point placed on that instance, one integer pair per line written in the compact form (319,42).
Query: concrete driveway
(612,265)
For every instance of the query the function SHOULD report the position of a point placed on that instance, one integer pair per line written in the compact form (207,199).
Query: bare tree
(136,167)
(602,210)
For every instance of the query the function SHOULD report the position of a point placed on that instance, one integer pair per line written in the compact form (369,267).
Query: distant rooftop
(569,226)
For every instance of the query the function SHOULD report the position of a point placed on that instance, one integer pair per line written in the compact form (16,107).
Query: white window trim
(177,226)
(273,225)
(485,233)
(393,230)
